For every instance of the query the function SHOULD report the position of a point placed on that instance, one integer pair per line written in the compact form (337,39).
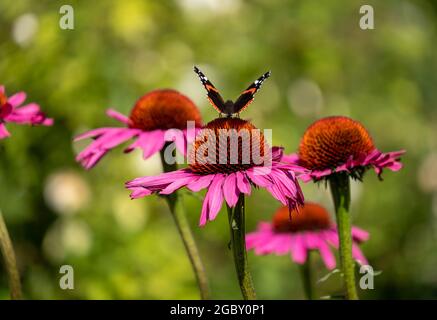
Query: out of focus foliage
(322,64)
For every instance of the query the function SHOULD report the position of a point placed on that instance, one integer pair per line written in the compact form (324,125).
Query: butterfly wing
(247,95)
(214,96)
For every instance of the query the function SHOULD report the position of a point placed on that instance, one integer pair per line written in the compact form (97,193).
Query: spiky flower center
(164,109)
(310,217)
(227,145)
(331,141)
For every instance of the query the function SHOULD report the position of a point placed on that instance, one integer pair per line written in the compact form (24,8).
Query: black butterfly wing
(247,95)
(214,96)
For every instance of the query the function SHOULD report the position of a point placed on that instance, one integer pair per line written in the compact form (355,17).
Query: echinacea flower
(11,110)
(309,229)
(224,176)
(335,149)
(158,117)
(340,144)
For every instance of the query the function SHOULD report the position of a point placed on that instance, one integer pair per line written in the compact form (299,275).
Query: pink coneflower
(158,119)
(340,144)
(229,171)
(226,181)
(151,124)
(12,111)
(335,149)
(307,230)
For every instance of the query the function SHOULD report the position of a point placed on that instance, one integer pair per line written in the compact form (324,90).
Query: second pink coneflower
(151,123)
(336,149)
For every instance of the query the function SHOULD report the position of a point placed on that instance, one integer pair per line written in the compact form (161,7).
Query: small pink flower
(308,229)
(340,144)
(12,111)
(153,122)
(227,181)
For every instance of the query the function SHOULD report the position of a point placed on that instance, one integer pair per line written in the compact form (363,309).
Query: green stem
(178,212)
(340,190)
(10,261)
(238,242)
(307,278)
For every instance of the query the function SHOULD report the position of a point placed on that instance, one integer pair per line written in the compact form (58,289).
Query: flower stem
(238,243)
(10,261)
(307,278)
(178,212)
(340,190)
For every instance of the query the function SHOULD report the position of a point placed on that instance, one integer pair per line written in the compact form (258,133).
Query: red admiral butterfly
(229,107)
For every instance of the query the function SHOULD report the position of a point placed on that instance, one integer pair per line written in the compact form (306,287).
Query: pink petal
(326,254)
(359,234)
(105,142)
(358,254)
(17,99)
(177,184)
(230,190)
(4,133)
(201,183)
(92,133)
(242,183)
(149,141)
(118,116)
(213,200)
(298,249)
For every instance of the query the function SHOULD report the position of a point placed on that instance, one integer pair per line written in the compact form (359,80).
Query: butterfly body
(229,108)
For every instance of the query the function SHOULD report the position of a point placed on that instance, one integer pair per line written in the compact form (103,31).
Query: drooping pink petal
(230,190)
(176,184)
(358,254)
(298,249)
(118,116)
(107,140)
(326,254)
(4,133)
(92,133)
(260,180)
(139,192)
(216,200)
(159,182)
(213,200)
(243,183)
(149,142)
(200,183)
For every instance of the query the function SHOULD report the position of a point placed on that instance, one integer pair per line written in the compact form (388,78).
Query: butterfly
(229,107)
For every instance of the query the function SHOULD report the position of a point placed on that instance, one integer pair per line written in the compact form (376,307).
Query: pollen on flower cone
(331,141)
(309,217)
(227,145)
(164,109)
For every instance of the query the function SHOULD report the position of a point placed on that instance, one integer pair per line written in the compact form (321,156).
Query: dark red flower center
(310,217)
(331,141)
(227,145)
(5,107)
(164,109)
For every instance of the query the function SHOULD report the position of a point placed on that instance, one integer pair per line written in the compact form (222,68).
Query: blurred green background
(322,64)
